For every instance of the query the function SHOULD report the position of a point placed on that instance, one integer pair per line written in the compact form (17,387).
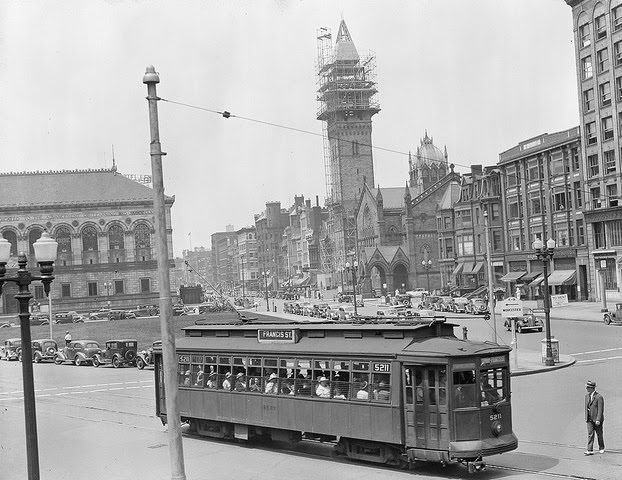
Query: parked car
(11,349)
(529,321)
(307,309)
(43,349)
(332,312)
(460,304)
(38,318)
(68,317)
(445,304)
(79,352)
(144,358)
(150,310)
(179,310)
(615,316)
(118,353)
(477,306)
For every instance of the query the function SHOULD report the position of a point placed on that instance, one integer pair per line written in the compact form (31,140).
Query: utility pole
(491,293)
(169,366)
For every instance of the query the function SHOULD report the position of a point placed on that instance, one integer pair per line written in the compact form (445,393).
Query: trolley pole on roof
(176,452)
(491,292)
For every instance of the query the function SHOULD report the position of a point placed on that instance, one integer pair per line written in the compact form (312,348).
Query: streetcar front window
(493,385)
(464,389)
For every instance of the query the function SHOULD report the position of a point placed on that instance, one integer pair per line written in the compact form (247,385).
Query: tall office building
(597,30)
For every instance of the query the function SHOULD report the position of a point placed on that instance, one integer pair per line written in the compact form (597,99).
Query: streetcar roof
(433,339)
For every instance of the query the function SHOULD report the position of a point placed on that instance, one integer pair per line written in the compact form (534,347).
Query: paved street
(106,418)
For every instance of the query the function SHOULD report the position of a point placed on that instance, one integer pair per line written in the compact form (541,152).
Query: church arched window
(116,240)
(63,238)
(11,237)
(142,236)
(89,238)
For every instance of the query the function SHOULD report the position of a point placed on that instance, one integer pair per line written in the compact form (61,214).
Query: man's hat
(228,375)
(273,376)
(239,375)
(323,379)
(590,383)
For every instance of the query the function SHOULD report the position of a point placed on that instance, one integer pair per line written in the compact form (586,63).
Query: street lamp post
(603,292)
(265,279)
(108,285)
(427,264)
(353,268)
(45,253)
(545,253)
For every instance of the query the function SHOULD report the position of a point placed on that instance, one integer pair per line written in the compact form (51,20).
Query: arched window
(11,237)
(63,238)
(89,238)
(116,240)
(142,236)
(33,236)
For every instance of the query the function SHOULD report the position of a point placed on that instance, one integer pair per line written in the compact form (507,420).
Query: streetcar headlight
(496,428)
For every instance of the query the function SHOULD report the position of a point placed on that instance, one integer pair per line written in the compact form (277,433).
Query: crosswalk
(598,355)
(78,389)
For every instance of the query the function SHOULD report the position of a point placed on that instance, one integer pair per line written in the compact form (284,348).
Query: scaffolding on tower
(346,89)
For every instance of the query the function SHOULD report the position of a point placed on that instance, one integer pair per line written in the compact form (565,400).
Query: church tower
(428,166)
(346,95)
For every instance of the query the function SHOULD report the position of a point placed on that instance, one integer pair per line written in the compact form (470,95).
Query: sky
(478,76)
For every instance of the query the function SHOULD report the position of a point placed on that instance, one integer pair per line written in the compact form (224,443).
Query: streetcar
(388,391)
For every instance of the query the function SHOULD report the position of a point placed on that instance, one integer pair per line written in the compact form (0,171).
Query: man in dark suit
(594,417)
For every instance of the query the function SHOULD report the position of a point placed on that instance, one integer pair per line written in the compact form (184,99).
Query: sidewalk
(522,362)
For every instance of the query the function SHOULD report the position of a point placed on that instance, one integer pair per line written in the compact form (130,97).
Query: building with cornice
(104,225)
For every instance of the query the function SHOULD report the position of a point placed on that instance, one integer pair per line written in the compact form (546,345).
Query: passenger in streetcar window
(212,381)
(226,384)
(489,394)
(340,384)
(254,384)
(272,385)
(303,385)
(382,393)
(240,382)
(287,385)
(363,393)
(199,380)
(187,378)
(322,390)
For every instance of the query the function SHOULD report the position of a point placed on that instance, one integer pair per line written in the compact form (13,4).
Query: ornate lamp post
(603,293)
(265,279)
(545,253)
(45,252)
(427,264)
(353,268)
(108,285)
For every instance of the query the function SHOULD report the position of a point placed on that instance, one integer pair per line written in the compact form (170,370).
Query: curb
(544,369)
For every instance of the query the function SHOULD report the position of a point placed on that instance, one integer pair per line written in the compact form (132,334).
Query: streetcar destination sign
(277,335)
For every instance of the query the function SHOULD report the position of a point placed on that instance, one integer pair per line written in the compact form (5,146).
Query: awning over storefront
(457,269)
(477,268)
(512,276)
(529,277)
(477,292)
(563,277)
(468,268)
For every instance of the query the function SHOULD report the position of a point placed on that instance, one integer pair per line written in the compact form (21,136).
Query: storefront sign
(559,300)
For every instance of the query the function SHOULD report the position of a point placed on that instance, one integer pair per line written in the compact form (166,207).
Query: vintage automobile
(11,349)
(615,316)
(460,304)
(38,318)
(43,349)
(445,304)
(78,352)
(117,352)
(144,358)
(533,320)
(477,306)
(148,311)
(68,317)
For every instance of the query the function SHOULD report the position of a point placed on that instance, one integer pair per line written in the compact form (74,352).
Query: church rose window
(89,238)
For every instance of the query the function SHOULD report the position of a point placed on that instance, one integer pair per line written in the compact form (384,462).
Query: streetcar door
(425,402)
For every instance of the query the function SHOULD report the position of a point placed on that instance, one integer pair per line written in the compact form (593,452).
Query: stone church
(397,226)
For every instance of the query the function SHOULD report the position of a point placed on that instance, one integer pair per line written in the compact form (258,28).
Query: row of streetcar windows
(357,380)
